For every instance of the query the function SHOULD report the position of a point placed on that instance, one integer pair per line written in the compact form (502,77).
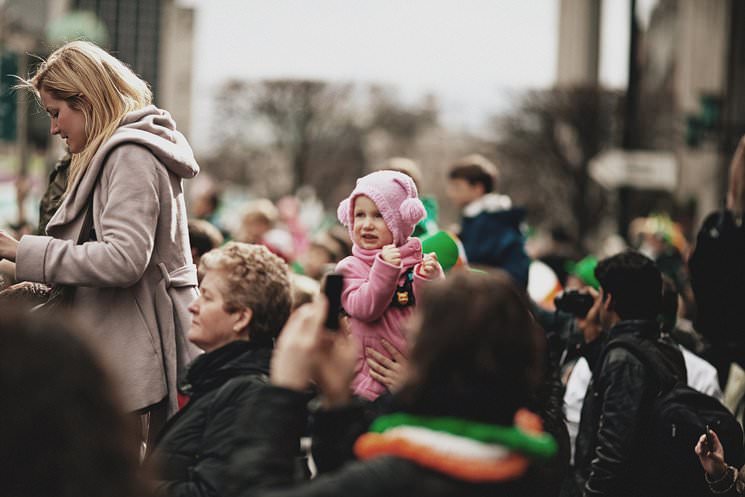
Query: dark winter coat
(54,193)
(264,465)
(196,444)
(618,401)
(493,238)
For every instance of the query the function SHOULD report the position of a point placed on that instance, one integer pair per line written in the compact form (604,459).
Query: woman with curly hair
(244,301)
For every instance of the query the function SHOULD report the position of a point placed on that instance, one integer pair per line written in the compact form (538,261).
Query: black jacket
(197,442)
(264,466)
(611,430)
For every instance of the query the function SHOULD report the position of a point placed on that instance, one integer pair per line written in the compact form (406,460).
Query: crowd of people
(144,351)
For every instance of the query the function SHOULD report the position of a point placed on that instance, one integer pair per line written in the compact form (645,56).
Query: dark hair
(475,169)
(634,282)
(63,431)
(477,354)
(204,236)
(213,199)
(669,304)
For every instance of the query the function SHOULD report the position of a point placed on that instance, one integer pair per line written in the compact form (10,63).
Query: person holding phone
(722,478)
(458,426)
(386,271)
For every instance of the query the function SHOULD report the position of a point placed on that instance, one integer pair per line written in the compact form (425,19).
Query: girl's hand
(8,246)
(391,254)
(711,458)
(429,267)
(390,372)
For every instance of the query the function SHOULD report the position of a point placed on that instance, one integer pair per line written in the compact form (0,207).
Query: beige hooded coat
(136,280)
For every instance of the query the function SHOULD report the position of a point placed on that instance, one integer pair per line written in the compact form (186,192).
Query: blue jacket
(491,236)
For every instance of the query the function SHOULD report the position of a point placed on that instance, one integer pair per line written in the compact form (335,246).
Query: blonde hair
(256,279)
(261,209)
(95,83)
(736,189)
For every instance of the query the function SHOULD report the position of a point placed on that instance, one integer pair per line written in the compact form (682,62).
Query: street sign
(644,170)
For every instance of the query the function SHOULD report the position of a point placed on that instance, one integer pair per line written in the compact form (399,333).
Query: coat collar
(212,369)
(644,328)
(491,202)
(411,253)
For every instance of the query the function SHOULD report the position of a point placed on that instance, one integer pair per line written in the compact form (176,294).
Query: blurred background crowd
(629,110)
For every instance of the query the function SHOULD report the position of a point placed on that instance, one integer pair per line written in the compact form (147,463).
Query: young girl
(384,274)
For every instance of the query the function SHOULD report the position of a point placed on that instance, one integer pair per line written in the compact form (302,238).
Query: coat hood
(150,127)
(155,129)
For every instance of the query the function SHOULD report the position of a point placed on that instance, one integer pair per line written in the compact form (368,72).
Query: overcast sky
(472,54)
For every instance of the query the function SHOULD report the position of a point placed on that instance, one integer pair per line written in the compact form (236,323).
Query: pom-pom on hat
(395,196)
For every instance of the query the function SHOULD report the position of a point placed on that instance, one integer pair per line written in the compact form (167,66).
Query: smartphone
(709,439)
(332,290)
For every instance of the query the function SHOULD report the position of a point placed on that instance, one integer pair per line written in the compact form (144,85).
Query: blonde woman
(119,239)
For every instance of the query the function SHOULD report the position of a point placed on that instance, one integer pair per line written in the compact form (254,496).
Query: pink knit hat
(395,196)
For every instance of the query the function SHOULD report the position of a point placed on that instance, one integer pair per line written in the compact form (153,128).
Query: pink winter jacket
(369,285)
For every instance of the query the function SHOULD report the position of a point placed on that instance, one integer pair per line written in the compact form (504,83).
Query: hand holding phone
(332,290)
(709,439)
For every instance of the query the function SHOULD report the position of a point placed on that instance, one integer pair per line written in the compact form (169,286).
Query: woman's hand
(295,352)
(390,372)
(8,246)
(711,458)
(306,352)
(335,367)
(429,266)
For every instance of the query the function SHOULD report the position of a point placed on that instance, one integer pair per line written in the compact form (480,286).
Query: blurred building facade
(686,92)
(579,43)
(154,37)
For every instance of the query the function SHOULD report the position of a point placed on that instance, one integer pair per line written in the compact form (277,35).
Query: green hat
(585,271)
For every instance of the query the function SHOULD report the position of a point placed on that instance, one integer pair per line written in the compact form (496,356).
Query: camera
(574,302)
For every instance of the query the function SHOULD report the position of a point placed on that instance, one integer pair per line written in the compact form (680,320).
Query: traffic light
(8,104)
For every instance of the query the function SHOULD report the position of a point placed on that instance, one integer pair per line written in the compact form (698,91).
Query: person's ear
(243,318)
(480,188)
(608,301)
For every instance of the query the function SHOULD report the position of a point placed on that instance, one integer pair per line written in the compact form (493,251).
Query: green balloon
(444,246)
